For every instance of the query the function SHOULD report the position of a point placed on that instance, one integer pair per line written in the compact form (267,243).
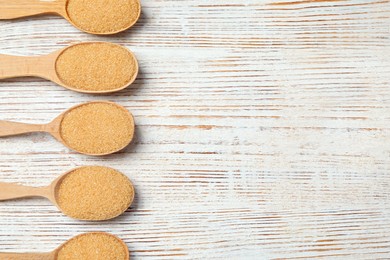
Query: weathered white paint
(263,131)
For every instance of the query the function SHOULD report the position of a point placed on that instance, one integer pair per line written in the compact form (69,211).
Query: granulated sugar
(93,246)
(94,193)
(96,67)
(97,128)
(102,16)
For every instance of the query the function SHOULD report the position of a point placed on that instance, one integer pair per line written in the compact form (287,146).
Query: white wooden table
(263,131)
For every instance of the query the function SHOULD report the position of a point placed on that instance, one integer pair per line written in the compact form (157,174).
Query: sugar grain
(102,16)
(96,67)
(97,128)
(94,193)
(93,246)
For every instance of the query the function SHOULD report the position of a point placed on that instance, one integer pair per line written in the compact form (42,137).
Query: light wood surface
(262,132)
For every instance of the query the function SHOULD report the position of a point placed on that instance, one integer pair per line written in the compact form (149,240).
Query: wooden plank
(262,131)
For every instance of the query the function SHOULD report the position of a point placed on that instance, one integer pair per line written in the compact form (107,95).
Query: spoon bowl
(87,67)
(86,244)
(119,14)
(77,189)
(61,122)
(93,245)
(94,128)
(91,16)
(92,193)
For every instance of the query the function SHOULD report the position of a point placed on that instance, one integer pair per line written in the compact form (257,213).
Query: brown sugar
(96,67)
(102,16)
(93,246)
(94,193)
(97,128)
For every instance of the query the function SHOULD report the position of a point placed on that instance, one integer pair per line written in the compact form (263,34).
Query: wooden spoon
(10,191)
(8,128)
(23,8)
(56,254)
(45,67)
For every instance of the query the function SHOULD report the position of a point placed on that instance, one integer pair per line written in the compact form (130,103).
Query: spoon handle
(10,191)
(8,128)
(17,66)
(11,9)
(27,256)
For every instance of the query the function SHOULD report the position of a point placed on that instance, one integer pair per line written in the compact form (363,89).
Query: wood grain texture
(263,131)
